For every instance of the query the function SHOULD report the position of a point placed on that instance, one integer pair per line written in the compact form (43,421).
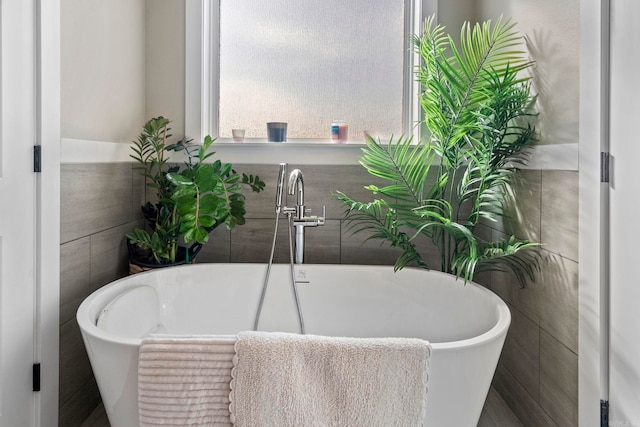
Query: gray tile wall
(538,371)
(99,203)
(537,374)
(331,243)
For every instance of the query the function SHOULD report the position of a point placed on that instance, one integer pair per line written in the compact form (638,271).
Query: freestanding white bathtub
(466,324)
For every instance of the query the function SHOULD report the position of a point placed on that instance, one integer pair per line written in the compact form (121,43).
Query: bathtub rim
(87,314)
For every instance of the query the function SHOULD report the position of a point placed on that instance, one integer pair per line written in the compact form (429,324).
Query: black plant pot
(140,259)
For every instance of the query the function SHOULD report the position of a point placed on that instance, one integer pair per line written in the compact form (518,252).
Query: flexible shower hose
(268,274)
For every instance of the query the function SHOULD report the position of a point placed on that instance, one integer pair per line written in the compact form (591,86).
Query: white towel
(304,380)
(184,380)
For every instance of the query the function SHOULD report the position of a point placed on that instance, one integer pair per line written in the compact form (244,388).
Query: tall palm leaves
(457,82)
(477,106)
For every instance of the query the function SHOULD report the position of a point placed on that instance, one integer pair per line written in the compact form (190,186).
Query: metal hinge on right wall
(36,377)
(604,166)
(604,413)
(37,158)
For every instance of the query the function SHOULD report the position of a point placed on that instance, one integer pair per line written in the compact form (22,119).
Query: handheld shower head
(280,188)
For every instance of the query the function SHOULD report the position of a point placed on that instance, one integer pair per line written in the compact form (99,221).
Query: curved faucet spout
(296,182)
(300,219)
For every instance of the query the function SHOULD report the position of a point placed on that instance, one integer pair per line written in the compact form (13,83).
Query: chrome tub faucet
(300,219)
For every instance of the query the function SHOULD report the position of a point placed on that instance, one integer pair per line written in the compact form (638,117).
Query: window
(305,62)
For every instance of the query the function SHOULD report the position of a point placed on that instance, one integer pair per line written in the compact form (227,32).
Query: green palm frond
(379,221)
(457,81)
(478,111)
(521,257)
(403,164)
(485,189)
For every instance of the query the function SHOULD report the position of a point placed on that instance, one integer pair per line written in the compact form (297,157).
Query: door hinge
(36,377)
(37,158)
(604,166)
(604,413)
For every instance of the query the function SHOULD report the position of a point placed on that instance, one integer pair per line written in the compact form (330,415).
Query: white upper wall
(165,62)
(552,29)
(102,69)
(454,13)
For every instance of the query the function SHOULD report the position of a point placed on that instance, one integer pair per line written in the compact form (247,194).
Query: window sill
(318,152)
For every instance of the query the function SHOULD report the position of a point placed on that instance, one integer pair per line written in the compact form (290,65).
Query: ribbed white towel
(184,380)
(304,380)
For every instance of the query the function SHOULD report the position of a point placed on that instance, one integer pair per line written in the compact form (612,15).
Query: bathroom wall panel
(522,217)
(559,301)
(94,197)
(322,244)
(521,352)
(355,249)
(164,61)
(75,369)
(77,409)
(552,31)
(560,212)
(558,381)
(549,303)
(251,242)
(139,191)
(109,255)
(262,205)
(526,299)
(496,412)
(453,13)
(75,276)
(428,251)
(523,405)
(218,249)
(99,203)
(102,58)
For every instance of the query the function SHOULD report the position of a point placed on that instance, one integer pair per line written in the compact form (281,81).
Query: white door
(624,387)
(17,213)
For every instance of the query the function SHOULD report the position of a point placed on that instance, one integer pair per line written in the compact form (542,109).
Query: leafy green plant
(478,111)
(192,199)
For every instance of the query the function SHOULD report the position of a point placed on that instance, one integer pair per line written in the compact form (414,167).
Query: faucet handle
(321,219)
(288,211)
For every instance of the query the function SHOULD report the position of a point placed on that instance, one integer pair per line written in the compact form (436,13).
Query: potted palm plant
(191,199)
(478,114)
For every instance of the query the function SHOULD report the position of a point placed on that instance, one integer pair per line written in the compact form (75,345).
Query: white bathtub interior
(354,303)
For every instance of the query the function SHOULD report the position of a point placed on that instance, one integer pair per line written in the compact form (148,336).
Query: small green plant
(478,112)
(191,200)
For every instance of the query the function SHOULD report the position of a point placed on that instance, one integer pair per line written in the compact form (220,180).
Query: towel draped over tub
(281,379)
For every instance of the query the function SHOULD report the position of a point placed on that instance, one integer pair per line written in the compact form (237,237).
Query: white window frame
(202,94)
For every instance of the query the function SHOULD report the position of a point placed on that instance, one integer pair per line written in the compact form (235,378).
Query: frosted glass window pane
(309,62)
